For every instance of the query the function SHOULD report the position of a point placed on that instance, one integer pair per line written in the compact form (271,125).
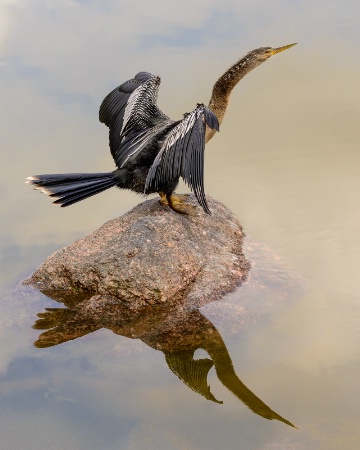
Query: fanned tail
(71,188)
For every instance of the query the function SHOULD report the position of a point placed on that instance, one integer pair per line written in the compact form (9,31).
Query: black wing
(129,111)
(182,154)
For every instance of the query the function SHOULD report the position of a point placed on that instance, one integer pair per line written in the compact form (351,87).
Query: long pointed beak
(281,49)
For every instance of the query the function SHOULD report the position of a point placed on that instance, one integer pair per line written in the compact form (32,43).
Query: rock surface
(152,255)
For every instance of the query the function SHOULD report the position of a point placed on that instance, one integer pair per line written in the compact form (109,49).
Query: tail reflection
(177,333)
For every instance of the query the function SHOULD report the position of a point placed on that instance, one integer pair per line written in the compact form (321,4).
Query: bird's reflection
(175,332)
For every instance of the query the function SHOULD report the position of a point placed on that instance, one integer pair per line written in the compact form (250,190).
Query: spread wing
(130,111)
(182,154)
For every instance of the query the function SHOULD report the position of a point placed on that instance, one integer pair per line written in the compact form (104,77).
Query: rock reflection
(176,332)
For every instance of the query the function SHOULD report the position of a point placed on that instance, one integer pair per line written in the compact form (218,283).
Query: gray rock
(152,255)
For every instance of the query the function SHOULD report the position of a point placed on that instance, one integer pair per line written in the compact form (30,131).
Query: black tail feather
(73,187)
(72,198)
(62,178)
(59,191)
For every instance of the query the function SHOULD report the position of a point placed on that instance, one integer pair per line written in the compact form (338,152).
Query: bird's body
(150,150)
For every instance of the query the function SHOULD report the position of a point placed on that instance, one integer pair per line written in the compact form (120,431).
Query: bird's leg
(163,200)
(177,205)
(177,197)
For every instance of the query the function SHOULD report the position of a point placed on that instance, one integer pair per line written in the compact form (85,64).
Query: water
(286,163)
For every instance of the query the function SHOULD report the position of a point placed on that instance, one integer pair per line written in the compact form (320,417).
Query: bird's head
(263,53)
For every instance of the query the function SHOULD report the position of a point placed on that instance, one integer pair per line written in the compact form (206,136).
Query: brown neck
(224,86)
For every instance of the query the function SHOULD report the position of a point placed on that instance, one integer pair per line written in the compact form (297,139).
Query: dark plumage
(150,150)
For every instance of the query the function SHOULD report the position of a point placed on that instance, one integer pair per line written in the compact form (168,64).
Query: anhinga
(152,151)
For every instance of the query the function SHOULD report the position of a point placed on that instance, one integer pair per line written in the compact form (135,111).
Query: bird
(151,151)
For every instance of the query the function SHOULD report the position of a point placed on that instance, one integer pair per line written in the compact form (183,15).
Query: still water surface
(285,345)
